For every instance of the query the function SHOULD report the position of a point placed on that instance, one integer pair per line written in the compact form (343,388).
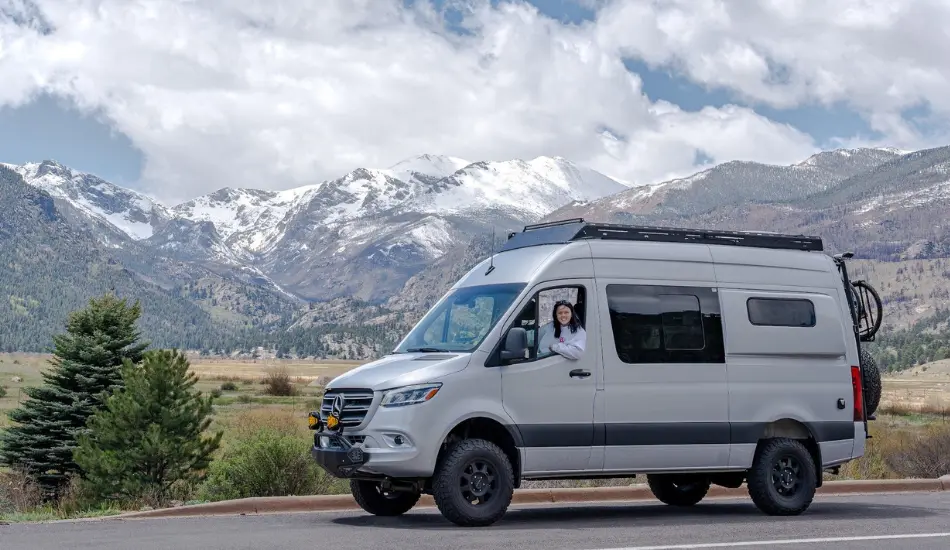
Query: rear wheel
(371,497)
(678,490)
(783,478)
(474,483)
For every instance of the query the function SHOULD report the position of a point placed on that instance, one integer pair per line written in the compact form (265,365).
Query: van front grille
(355,408)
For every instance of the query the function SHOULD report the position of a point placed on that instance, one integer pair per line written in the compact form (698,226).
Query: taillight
(858,394)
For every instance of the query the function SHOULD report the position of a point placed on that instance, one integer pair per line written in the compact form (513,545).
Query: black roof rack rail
(565,231)
(555,223)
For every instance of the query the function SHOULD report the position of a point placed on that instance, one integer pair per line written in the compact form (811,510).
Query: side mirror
(516,345)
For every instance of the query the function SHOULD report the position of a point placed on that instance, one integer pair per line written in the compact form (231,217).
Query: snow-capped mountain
(134,214)
(426,168)
(523,189)
(362,234)
(366,233)
(248,220)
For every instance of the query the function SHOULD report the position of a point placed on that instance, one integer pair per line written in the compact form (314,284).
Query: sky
(178,99)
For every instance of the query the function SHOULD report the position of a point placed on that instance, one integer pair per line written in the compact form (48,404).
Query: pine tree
(150,434)
(85,368)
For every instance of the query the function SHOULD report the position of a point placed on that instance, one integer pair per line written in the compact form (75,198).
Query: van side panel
(786,350)
(670,414)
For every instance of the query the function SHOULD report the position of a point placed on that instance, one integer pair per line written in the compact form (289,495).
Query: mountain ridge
(363,255)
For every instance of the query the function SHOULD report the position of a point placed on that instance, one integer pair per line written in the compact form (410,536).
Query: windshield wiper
(425,350)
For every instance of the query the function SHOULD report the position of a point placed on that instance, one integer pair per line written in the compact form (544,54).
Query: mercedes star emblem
(337,407)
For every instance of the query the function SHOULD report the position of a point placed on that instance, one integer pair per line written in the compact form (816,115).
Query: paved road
(712,524)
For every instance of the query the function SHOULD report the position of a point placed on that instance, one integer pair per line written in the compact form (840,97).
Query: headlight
(409,395)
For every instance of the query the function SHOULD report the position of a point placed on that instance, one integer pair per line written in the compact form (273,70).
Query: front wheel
(678,490)
(783,478)
(371,497)
(473,483)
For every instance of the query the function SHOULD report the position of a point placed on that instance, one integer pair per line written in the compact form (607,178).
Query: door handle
(580,373)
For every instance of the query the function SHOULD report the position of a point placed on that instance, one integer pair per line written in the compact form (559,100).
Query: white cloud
(879,57)
(283,93)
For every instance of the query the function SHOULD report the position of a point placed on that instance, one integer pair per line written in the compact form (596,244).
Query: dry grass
(241,383)
(903,447)
(17,493)
(225,370)
(936,408)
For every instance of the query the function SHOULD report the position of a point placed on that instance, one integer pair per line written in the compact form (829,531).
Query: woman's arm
(573,347)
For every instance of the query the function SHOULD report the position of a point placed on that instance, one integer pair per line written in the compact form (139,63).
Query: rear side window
(665,324)
(781,312)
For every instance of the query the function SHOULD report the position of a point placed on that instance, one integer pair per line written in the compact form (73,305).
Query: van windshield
(462,319)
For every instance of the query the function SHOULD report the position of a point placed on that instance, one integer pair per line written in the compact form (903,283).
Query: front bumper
(338,456)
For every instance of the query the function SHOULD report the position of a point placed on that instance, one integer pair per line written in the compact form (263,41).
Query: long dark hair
(573,324)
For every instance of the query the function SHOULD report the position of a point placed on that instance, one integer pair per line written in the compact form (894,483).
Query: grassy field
(240,382)
(914,403)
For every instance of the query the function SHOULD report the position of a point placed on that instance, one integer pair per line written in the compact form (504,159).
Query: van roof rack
(577,229)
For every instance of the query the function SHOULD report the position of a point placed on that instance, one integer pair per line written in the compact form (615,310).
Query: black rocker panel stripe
(681,433)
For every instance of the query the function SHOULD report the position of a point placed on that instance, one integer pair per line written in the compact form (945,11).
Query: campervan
(584,350)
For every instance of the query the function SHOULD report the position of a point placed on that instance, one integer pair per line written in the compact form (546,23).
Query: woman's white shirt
(570,345)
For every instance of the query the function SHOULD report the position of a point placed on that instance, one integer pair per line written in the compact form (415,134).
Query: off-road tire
(770,461)
(870,381)
(373,500)
(455,479)
(678,490)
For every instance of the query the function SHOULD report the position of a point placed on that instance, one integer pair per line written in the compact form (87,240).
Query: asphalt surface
(864,519)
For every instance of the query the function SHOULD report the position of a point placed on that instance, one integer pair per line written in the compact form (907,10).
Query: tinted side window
(781,312)
(663,324)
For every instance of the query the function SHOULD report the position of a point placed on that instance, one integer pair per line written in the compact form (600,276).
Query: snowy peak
(364,192)
(528,189)
(426,168)
(249,219)
(134,214)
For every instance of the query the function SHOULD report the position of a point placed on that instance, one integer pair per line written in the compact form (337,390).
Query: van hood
(401,369)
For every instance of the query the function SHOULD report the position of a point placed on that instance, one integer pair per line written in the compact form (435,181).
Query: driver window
(538,312)
(546,300)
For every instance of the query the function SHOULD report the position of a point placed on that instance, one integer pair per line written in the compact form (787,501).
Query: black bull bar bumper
(338,457)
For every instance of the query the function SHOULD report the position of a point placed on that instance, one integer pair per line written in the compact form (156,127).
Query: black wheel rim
(478,482)
(688,487)
(787,476)
(388,495)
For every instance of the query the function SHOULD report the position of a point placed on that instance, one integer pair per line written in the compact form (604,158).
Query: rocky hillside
(49,267)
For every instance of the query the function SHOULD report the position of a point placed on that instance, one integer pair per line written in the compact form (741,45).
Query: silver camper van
(582,350)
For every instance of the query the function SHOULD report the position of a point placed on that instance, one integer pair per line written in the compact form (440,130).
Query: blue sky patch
(51,129)
(822,123)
